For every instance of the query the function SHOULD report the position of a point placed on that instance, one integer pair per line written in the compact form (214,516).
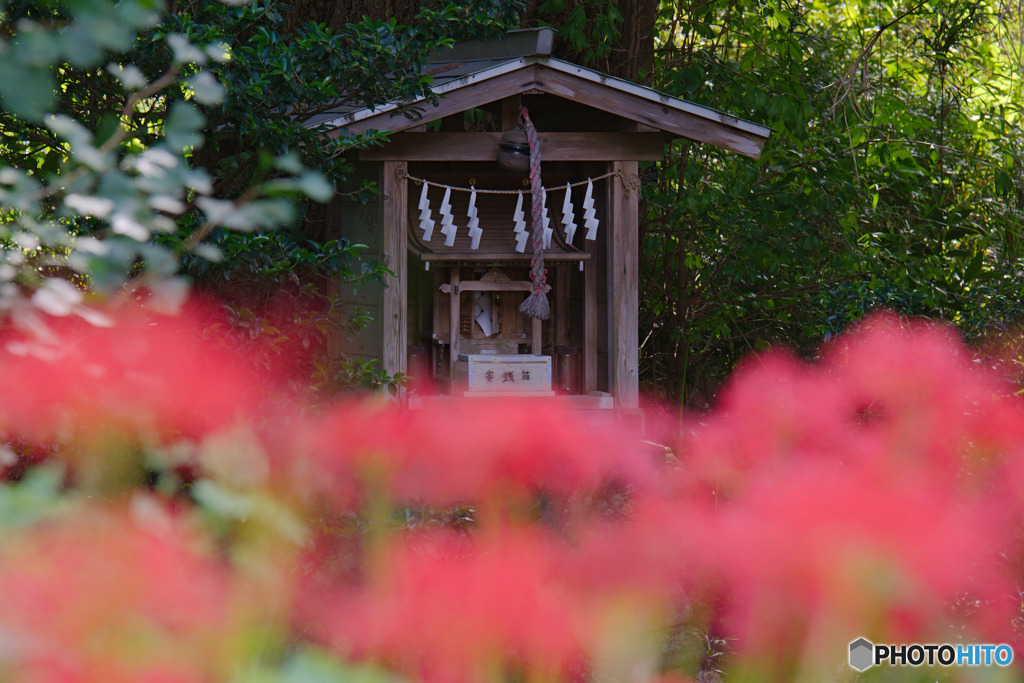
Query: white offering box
(504,375)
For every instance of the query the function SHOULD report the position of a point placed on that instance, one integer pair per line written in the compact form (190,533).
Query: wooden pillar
(454,321)
(560,322)
(623,285)
(394,188)
(590,318)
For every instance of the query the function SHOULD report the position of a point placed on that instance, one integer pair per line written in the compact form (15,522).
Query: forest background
(893,177)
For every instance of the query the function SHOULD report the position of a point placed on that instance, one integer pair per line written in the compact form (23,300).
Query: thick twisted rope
(536,304)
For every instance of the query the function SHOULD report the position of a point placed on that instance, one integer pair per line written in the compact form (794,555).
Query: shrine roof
(476,73)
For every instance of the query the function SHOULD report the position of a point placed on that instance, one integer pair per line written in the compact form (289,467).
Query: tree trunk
(337,13)
(627,55)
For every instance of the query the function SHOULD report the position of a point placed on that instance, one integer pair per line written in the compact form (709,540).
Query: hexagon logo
(861,654)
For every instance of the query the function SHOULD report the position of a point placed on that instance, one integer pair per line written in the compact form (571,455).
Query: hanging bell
(514,151)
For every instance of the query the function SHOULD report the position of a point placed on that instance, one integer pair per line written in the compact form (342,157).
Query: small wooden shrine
(455,228)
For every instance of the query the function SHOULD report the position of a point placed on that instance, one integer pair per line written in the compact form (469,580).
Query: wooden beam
(553,147)
(642,111)
(502,257)
(629,101)
(484,286)
(623,286)
(453,102)
(395,306)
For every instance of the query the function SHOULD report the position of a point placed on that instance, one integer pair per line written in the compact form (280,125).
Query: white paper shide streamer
(567,215)
(519,219)
(448,228)
(590,221)
(426,223)
(522,234)
(546,219)
(483,304)
(474,223)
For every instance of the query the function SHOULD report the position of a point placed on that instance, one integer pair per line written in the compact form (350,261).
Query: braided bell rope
(536,304)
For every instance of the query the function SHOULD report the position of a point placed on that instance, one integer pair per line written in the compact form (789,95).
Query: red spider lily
(825,544)
(110,597)
(774,413)
(480,450)
(903,396)
(639,556)
(920,400)
(450,609)
(144,374)
(858,495)
(476,606)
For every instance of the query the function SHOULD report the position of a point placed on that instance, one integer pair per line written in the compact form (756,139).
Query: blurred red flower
(859,495)
(142,374)
(110,596)
(447,608)
(479,450)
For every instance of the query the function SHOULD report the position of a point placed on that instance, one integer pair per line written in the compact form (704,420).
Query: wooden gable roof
(463,84)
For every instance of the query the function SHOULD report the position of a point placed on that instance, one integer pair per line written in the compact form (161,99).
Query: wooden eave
(547,75)
(417,146)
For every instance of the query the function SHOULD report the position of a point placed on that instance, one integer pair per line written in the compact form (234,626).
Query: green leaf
(183,127)
(27,91)
(37,496)
(974,267)
(206,88)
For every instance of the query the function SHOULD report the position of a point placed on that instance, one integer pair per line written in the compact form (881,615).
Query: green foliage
(892,179)
(102,163)
(143,152)
(277,86)
(591,27)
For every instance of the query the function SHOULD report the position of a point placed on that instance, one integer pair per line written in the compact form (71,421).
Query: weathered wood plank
(483,286)
(597,91)
(642,111)
(440,306)
(553,147)
(503,257)
(560,320)
(453,102)
(454,319)
(623,286)
(395,199)
(590,321)
(510,111)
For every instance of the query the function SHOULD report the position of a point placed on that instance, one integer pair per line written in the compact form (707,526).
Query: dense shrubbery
(188,524)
